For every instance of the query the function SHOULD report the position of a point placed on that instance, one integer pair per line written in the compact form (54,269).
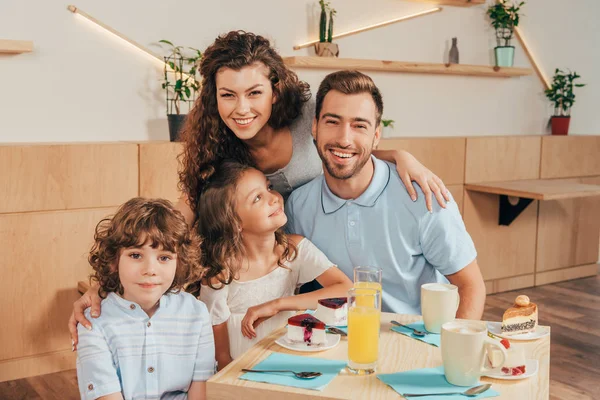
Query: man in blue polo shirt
(360,214)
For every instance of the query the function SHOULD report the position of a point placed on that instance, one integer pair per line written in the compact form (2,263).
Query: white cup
(439,303)
(464,346)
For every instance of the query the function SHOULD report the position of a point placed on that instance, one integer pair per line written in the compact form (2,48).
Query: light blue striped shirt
(145,358)
(383,227)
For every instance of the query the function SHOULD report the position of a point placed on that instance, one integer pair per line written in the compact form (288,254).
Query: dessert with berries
(305,328)
(522,317)
(515,360)
(333,311)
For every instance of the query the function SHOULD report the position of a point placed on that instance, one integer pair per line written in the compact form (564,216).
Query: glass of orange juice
(364,320)
(367,278)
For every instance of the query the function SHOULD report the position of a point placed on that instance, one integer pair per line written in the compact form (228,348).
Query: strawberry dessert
(515,361)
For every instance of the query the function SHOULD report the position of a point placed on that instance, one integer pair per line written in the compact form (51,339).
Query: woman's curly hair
(222,247)
(137,222)
(207,139)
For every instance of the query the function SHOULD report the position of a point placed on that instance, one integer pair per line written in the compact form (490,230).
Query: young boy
(152,340)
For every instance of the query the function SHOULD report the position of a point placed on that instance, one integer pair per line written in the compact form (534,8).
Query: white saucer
(331,341)
(531,369)
(540,332)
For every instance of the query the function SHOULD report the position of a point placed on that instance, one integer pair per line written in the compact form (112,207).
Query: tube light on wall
(374,26)
(114,32)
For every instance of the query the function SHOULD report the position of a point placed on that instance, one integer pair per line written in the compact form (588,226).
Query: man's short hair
(349,82)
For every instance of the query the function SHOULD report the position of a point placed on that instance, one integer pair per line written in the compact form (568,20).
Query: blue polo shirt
(383,227)
(142,357)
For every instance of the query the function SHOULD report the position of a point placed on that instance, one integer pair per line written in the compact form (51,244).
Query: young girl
(252,267)
(152,340)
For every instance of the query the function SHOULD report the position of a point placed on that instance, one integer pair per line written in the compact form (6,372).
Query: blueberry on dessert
(305,328)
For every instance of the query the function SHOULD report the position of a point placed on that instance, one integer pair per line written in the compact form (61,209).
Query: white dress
(232,301)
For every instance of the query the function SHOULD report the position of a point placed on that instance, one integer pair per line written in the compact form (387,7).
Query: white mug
(439,303)
(464,346)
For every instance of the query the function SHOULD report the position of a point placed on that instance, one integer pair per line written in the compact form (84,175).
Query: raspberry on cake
(522,317)
(305,328)
(333,311)
(515,360)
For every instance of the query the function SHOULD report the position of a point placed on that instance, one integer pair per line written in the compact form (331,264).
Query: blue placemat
(431,338)
(428,380)
(329,368)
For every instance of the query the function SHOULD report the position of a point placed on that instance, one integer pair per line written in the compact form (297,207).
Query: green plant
(387,122)
(561,92)
(325,34)
(181,79)
(505,17)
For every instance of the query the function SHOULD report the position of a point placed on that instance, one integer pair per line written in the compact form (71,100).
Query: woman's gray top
(305,164)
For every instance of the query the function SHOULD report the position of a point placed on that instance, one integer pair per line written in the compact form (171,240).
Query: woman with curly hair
(142,257)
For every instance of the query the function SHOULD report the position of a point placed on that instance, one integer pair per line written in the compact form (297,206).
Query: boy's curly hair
(137,222)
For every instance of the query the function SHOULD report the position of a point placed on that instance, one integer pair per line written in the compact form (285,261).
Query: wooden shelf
(403,66)
(15,46)
(457,3)
(529,190)
(537,189)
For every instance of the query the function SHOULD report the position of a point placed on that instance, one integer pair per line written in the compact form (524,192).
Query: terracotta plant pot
(560,125)
(326,49)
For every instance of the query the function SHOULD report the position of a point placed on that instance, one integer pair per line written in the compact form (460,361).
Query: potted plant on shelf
(505,17)
(386,126)
(181,83)
(562,96)
(325,47)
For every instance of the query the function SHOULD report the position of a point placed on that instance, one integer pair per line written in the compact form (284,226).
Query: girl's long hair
(222,247)
(207,139)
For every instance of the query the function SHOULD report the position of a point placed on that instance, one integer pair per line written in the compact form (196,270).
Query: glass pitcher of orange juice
(364,320)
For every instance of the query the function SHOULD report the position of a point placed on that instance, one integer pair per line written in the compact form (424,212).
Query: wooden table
(396,353)
(528,190)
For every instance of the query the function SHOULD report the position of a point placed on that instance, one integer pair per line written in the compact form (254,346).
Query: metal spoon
(474,391)
(301,375)
(336,331)
(416,332)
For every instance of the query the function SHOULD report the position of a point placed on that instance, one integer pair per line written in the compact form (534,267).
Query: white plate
(531,369)
(331,341)
(540,332)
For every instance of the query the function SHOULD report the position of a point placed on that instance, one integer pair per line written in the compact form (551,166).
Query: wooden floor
(571,308)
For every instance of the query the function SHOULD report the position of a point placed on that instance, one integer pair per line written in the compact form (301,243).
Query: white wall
(81,84)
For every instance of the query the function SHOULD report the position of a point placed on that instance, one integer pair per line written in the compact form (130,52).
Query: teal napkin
(431,338)
(428,380)
(329,368)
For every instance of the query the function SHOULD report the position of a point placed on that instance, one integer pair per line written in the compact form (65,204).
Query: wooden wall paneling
(581,271)
(58,177)
(503,251)
(45,254)
(508,284)
(507,158)
(569,231)
(158,170)
(570,156)
(444,156)
(37,365)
